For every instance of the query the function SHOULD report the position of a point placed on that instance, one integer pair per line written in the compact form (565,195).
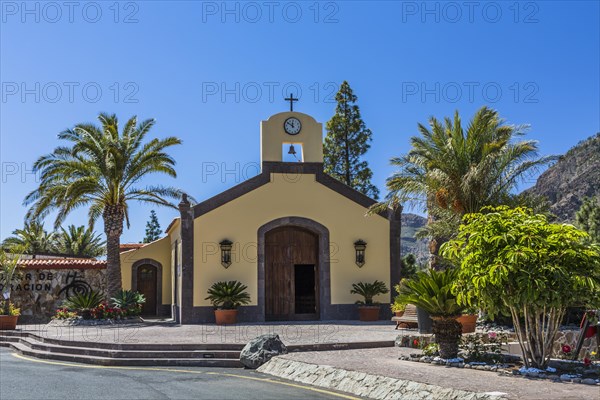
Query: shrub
(63,313)
(9,273)
(483,347)
(397,306)
(9,308)
(127,299)
(84,303)
(431,349)
(368,291)
(228,295)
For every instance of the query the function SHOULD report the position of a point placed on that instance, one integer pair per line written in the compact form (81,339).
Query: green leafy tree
(102,169)
(79,241)
(515,261)
(451,171)
(32,239)
(153,230)
(346,143)
(588,218)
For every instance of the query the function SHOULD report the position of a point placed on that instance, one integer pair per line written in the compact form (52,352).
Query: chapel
(294,235)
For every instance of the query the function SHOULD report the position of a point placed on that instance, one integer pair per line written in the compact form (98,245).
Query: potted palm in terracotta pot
(468,320)
(226,297)
(431,292)
(367,310)
(9,313)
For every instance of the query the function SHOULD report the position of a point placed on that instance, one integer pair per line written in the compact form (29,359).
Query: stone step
(24,349)
(130,346)
(204,354)
(9,339)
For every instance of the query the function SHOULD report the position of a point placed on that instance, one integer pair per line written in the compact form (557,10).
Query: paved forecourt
(291,333)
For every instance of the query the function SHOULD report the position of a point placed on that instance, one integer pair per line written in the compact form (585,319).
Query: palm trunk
(447,331)
(113,227)
(434,247)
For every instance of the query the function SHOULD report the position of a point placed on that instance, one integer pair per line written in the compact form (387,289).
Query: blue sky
(209,72)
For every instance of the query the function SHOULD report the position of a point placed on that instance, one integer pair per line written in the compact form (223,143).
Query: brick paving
(384,362)
(296,333)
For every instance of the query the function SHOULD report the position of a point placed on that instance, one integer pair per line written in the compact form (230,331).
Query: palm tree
(451,171)
(432,292)
(32,239)
(80,242)
(101,169)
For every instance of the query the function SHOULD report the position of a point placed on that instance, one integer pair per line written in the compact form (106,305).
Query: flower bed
(484,352)
(90,309)
(79,321)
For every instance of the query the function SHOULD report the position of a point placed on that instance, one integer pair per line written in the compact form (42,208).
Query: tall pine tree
(153,230)
(346,142)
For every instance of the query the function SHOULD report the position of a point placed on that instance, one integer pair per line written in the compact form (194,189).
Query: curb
(364,384)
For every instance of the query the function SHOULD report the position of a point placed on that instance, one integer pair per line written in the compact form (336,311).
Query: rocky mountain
(409,244)
(575,176)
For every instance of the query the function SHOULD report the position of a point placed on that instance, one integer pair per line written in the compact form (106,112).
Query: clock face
(292,126)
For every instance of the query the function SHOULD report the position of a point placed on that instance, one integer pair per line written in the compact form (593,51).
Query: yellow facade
(290,195)
(160,251)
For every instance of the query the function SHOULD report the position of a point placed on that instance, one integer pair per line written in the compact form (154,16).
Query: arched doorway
(291,274)
(146,277)
(147,282)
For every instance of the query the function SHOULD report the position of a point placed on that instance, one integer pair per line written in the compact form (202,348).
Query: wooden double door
(291,274)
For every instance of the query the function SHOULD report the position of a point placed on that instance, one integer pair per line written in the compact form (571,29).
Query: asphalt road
(28,378)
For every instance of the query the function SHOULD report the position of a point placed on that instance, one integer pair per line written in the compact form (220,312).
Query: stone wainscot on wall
(45,283)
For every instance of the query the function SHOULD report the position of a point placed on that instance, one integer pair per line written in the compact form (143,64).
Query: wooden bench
(408,319)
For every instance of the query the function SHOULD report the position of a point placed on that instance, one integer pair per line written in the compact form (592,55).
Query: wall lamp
(360,246)
(226,252)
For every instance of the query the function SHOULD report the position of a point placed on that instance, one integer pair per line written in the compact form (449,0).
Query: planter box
(8,322)
(226,317)
(368,313)
(468,322)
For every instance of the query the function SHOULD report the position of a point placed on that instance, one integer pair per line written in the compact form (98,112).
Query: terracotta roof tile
(130,246)
(63,263)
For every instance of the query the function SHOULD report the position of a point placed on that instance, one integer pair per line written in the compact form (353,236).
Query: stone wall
(570,338)
(363,384)
(40,292)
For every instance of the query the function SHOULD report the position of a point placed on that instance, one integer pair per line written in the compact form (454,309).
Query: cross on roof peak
(291,99)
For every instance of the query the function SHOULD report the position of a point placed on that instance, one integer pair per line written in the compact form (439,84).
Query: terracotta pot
(226,317)
(468,322)
(368,313)
(8,322)
(399,313)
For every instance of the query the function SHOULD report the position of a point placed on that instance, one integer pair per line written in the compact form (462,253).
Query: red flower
(566,348)
(587,361)
(416,342)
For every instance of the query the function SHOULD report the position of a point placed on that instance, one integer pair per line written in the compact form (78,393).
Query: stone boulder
(261,349)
